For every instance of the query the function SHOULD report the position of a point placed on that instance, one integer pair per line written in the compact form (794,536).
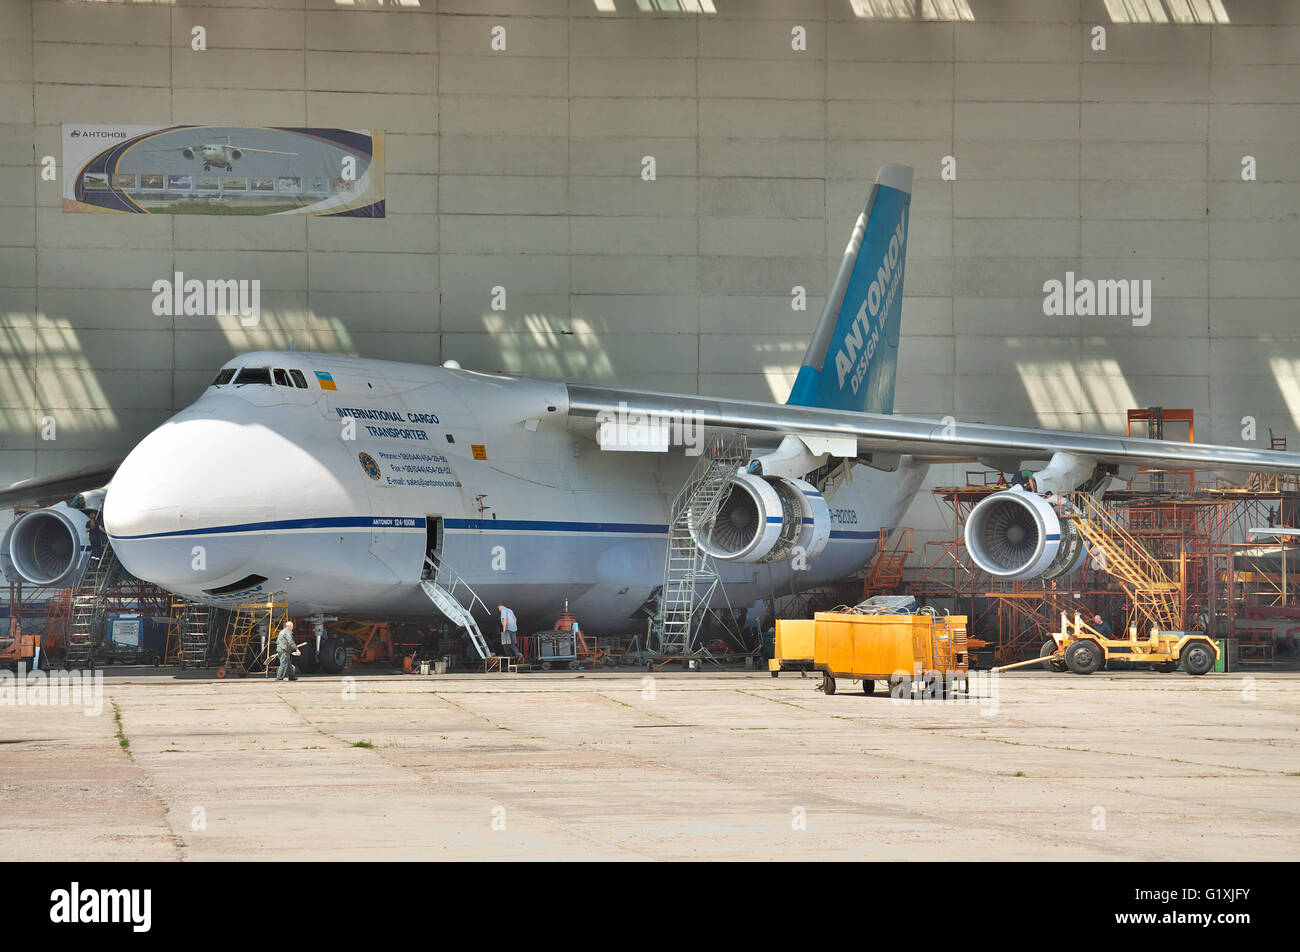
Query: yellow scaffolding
(250,635)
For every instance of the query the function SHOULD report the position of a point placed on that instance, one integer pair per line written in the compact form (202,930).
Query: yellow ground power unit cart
(1078,648)
(793,650)
(874,647)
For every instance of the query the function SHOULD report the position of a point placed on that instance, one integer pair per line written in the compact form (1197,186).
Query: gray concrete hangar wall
(522,168)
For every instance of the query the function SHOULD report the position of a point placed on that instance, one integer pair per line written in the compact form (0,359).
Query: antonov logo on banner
(223,170)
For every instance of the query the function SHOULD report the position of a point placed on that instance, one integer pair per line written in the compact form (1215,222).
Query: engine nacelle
(764,519)
(47,546)
(236,153)
(187,153)
(1018,535)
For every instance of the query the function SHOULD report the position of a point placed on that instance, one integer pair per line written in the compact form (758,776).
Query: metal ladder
(194,627)
(251,629)
(88,608)
(446,602)
(685,564)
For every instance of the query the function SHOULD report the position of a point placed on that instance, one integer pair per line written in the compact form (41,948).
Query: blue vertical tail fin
(853,356)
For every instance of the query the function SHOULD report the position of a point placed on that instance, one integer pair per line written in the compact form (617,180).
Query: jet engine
(188,153)
(236,153)
(47,546)
(1018,535)
(764,519)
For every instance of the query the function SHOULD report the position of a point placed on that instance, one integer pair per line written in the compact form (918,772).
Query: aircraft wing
(262,151)
(44,490)
(192,148)
(934,440)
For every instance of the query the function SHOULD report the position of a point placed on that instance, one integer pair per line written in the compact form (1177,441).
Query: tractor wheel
(869,686)
(1197,658)
(1083,657)
(1165,667)
(828,684)
(1046,652)
(776,673)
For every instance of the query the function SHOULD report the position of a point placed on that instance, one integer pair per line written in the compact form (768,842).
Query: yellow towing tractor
(1079,648)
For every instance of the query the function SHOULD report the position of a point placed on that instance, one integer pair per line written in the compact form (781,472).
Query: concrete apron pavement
(686,766)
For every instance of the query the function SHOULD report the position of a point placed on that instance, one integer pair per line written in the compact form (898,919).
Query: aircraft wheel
(828,684)
(546,666)
(333,656)
(1197,658)
(1083,657)
(308,662)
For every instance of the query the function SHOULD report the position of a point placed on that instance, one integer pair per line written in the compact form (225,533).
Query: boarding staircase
(447,602)
(686,566)
(88,608)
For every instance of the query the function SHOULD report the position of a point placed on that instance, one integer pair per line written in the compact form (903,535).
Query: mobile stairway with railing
(687,567)
(442,584)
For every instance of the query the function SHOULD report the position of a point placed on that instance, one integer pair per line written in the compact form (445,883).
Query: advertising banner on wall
(223,170)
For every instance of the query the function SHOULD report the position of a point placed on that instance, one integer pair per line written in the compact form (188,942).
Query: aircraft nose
(187,508)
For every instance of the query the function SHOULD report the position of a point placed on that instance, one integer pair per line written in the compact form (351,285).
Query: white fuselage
(333,496)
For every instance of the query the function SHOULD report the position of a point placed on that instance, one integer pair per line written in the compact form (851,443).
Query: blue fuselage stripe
(410,522)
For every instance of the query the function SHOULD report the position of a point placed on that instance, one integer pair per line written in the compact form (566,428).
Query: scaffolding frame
(1183,530)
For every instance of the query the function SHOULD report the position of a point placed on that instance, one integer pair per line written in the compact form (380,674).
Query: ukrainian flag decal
(326,380)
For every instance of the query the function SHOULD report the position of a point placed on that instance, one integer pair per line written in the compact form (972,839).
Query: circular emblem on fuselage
(369,465)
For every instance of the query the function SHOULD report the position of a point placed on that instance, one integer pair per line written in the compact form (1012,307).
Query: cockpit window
(298,379)
(281,378)
(225,376)
(258,375)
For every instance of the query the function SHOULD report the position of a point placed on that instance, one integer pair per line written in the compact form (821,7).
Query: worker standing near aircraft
(288,649)
(509,629)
